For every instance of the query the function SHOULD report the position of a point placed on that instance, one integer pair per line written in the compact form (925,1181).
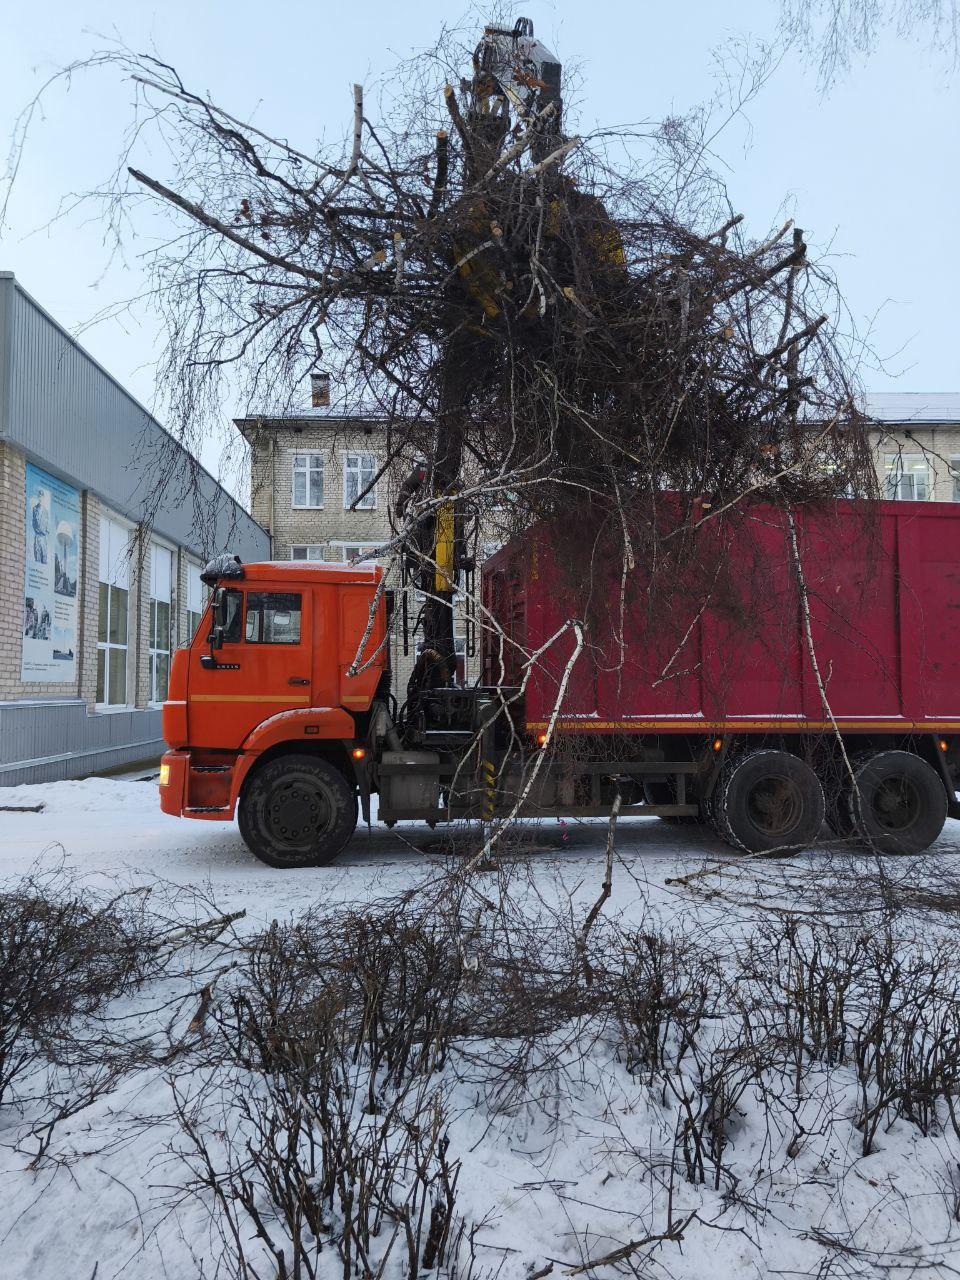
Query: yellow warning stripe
(249,697)
(489,789)
(740,726)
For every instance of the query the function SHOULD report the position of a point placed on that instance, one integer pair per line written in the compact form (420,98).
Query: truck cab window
(231,631)
(273,617)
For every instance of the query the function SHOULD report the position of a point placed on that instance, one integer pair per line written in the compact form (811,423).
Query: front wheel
(768,800)
(297,811)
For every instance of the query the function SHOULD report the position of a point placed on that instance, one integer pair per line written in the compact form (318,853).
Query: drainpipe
(273,491)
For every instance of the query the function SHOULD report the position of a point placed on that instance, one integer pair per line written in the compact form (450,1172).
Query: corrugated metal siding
(67,413)
(47,741)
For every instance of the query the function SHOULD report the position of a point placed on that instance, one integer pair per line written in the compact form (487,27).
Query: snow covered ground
(554,1185)
(102,828)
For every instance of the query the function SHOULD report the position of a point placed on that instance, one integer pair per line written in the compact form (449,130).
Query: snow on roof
(331,412)
(913,406)
(318,568)
(885,406)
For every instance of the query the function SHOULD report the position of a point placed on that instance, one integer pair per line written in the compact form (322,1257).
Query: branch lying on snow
(628,1250)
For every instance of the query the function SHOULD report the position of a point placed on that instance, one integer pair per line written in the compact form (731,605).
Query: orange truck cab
(269,707)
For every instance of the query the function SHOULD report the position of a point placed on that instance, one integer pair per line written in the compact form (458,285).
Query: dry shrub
(794,1003)
(323,1056)
(661,996)
(63,956)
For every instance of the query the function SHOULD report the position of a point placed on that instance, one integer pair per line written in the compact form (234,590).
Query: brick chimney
(320,390)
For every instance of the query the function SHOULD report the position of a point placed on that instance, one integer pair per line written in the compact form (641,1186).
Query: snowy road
(102,828)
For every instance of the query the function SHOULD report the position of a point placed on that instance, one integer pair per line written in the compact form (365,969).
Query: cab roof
(306,571)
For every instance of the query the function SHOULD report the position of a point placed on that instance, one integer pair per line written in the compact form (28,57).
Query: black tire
(297,811)
(661,791)
(766,800)
(899,803)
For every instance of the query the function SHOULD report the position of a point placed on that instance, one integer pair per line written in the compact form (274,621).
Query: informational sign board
(52,559)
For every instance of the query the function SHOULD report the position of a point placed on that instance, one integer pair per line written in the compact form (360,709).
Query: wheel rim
(298,812)
(896,804)
(775,805)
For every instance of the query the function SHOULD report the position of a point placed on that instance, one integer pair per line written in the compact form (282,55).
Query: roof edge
(74,342)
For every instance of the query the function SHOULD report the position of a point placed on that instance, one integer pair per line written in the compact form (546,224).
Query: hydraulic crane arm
(512,65)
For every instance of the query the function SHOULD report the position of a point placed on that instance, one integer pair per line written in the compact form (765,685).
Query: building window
(196,600)
(114,614)
(348,551)
(161,637)
(906,477)
(310,551)
(955,478)
(308,480)
(358,472)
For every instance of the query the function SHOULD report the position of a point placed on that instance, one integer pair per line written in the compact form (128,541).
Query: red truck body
(728,649)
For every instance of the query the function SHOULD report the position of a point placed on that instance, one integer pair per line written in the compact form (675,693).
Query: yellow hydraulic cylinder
(444,574)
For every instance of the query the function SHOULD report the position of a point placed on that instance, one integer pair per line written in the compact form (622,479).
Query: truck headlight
(164,775)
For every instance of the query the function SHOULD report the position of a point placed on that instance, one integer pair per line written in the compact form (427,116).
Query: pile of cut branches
(561,324)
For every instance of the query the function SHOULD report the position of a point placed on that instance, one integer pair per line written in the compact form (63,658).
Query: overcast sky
(869,170)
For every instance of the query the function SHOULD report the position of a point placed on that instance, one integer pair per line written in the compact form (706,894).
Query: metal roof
(66,413)
(328,413)
(308,571)
(885,406)
(913,406)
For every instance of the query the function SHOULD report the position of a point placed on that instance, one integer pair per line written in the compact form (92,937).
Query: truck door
(262,668)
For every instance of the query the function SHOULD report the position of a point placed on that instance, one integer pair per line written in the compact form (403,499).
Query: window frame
(370,501)
(306,472)
(343,546)
(288,644)
(204,595)
(898,467)
(307,558)
(113,651)
(155,651)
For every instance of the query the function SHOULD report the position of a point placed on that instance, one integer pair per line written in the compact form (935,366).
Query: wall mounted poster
(50,581)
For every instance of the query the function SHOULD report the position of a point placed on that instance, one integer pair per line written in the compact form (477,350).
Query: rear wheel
(297,811)
(768,800)
(899,803)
